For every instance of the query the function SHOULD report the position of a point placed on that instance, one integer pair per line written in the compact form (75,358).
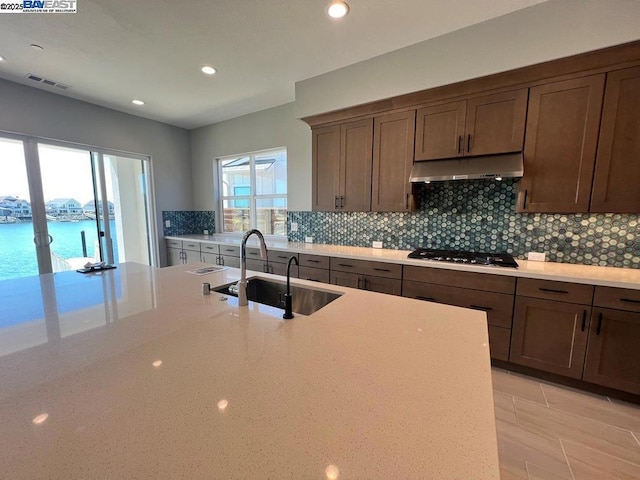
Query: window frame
(252,197)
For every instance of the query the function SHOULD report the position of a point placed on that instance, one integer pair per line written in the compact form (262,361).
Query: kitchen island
(133,373)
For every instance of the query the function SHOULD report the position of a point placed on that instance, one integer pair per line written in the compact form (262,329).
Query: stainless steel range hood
(490,166)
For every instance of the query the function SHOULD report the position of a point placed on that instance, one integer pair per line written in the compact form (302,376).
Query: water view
(18,253)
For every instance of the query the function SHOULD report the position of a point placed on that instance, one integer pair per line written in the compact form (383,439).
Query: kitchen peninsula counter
(561,272)
(133,373)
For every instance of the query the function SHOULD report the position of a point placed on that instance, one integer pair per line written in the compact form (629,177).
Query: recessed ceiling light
(137,102)
(337,9)
(209,70)
(1,58)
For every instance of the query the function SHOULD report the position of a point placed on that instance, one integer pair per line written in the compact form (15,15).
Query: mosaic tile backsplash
(188,222)
(480,215)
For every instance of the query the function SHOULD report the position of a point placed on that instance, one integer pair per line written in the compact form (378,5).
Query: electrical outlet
(377,245)
(308,239)
(206,232)
(294,226)
(167,223)
(536,256)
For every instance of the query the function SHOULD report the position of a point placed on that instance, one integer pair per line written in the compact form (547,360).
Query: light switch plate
(308,239)
(294,226)
(536,256)
(167,223)
(377,245)
(205,232)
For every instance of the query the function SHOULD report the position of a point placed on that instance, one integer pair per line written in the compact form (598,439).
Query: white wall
(30,111)
(275,127)
(550,30)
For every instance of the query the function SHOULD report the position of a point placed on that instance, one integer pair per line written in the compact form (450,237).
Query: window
(254,192)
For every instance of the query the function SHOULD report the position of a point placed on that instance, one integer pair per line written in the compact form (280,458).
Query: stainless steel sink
(305,301)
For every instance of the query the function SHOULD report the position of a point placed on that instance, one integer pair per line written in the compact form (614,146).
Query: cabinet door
(560,148)
(617,175)
(613,357)
(393,140)
(346,279)
(210,258)
(230,261)
(174,256)
(192,256)
(355,169)
(281,269)
(549,335)
(382,285)
(326,167)
(440,131)
(495,123)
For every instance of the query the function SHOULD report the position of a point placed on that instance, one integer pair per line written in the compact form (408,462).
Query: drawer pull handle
(382,270)
(313,261)
(552,290)
(599,329)
(209,248)
(480,307)
(629,300)
(229,250)
(345,265)
(282,256)
(427,299)
(584,320)
(312,279)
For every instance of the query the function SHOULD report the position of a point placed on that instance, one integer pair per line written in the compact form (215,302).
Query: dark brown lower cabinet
(314,274)
(499,308)
(613,353)
(550,335)
(391,286)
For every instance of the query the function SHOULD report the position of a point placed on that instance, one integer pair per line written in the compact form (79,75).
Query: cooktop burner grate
(461,256)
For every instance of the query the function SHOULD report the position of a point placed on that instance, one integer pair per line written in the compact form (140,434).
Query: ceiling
(113,51)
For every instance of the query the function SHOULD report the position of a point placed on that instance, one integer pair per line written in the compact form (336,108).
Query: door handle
(459,144)
(469,143)
(524,203)
(584,320)
(599,328)
(406,204)
(629,300)
(336,202)
(341,201)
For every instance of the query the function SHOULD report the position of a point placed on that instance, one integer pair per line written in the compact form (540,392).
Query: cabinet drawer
(230,250)
(314,274)
(315,261)
(618,298)
(550,290)
(378,269)
(281,269)
(391,286)
(276,256)
(499,340)
(174,243)
(254,252)
(499,306)
(193,246)
(209,248)
(476,281)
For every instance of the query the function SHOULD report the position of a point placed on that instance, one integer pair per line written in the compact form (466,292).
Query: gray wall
(275,127)
(550,30)
(30,111)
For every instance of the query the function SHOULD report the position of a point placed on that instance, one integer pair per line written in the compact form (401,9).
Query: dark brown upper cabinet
(393,141)
(488,124)
(616,184)
(560,147)
(341,159)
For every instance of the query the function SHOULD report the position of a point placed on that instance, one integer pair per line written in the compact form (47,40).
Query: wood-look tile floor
(548,431)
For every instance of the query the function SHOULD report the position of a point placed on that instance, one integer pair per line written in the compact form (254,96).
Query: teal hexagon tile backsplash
(480,215)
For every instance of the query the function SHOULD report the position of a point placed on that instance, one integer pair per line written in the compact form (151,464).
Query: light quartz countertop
(561,272)
(133,373)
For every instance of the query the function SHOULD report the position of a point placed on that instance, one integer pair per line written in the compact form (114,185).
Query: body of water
(18,252)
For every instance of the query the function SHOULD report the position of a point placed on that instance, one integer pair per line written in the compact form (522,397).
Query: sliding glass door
(62,207)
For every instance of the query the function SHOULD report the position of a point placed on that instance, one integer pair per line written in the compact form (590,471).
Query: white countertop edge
(559,272)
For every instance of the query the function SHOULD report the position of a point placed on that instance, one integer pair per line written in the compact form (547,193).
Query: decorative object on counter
(480,215)
(206,270)
(188,222)
(95,267)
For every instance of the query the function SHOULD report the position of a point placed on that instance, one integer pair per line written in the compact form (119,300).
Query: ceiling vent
(46,81)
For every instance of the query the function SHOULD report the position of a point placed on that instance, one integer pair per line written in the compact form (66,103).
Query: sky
(66,173)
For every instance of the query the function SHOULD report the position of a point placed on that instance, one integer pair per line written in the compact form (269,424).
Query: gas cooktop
(459,256)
